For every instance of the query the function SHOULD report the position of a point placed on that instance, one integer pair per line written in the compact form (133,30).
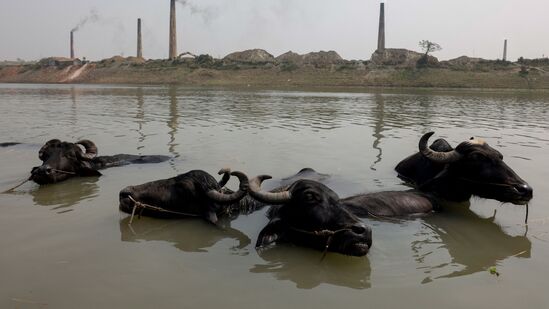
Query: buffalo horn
(226,172)
(91,149)
(267,197)
(233,197)
(436,156)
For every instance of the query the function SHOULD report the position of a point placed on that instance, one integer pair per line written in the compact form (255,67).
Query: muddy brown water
(67,245)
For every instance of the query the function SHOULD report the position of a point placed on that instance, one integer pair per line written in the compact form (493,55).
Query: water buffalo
(309,214)
(8,144)
(390,203)
(195,193)
(472,168)
(63,160)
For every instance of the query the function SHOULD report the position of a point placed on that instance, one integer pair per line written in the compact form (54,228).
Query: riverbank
(204,71)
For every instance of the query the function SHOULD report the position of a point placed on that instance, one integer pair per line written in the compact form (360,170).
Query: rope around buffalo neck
(526,217)
(28,179)
(328,233)
(144,206)
(485,183)
(63,172)
(19,185)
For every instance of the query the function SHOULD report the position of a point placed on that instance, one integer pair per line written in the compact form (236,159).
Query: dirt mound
(462,63)
(289,57)
(136,60)
(117,61)
(322,58)
(250,56)
(399,58)
(114,59)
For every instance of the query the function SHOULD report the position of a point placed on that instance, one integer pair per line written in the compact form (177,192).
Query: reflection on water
(62,196)
(140,116)
(189,235)
(378,127)
(307,270)
(474,244)
(173,120)
(355,138)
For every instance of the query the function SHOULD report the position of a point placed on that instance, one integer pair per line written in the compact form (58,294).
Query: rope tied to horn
(143,206)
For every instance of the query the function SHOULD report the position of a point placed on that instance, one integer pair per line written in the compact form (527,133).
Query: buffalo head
(472,168)
(309,214)
(62,160)
(195,193)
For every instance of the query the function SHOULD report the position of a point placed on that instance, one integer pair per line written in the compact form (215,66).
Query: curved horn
(91,149)
(267,197)
(233,197)
(436,156)
(226,172)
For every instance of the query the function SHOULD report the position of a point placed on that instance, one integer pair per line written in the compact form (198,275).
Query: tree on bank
(427,47)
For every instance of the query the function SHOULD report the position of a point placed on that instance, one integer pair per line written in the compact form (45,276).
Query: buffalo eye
(477,156)
(357,229)
(71,155)
(311,197)
(500,156)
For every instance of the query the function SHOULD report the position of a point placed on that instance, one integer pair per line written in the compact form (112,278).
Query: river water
(67,246)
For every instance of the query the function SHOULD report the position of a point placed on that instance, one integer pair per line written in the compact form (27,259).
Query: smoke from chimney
(90,18)
(207,14)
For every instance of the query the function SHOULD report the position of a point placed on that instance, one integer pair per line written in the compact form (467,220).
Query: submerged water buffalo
(472,168)
(390,204)
(195,193)
(310,214)
(63,160)
(8,144)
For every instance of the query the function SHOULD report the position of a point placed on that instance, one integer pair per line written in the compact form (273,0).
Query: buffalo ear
(88,172)
(270,233)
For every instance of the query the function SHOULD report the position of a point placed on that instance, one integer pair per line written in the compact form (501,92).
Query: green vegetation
(493,270)
(427,47)
(288,67)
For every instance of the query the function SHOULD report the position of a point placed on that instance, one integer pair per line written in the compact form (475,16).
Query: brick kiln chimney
(72,44)
(381,33)
(139,43)
(505,50)
(173,39)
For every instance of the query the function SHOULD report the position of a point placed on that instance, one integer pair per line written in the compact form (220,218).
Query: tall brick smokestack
(505,50)
(139,43)
(173,39)
(72,44)
(381,33)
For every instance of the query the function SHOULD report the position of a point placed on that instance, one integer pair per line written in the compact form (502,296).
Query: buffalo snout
(362,230)
(357,240)
(125,199)
(42,174)
(524,191)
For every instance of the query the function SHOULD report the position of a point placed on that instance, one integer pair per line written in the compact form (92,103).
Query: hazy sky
(31,29)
